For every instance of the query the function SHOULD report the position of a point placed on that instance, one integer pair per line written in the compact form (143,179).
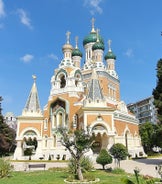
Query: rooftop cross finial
(76,40)
(68,36)
(109,45)
(93,21)
(34,77)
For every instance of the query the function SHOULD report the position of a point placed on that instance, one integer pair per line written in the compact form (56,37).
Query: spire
(95,92)
(32,105)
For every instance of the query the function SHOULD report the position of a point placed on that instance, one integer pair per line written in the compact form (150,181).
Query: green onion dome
(76,52)
(110,55)
(92,37)
(98,45)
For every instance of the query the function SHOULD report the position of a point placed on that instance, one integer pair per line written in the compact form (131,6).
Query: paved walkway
(146,166)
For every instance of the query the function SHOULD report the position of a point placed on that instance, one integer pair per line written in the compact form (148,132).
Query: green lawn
(57,177)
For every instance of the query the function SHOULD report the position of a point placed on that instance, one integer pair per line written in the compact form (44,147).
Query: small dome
(92,37)
(110,55)
(98,45)
(76,52)
(67,46)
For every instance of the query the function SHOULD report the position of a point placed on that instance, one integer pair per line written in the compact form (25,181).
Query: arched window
(46,137)
(77,79)
(126,139)
(53,120)
(46,124)
(60,119)
(75,121)
(54,140)
(62,81)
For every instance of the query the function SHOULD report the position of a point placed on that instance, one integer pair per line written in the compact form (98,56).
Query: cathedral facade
(80,97)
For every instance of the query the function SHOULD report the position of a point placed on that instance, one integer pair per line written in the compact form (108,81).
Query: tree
(119,151)
(104,158)
(157,92)
(77,143)
(158,135)
(147,133)
(7,138)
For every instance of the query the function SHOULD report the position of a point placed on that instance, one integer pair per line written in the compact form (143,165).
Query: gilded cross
(76,41)
(68,36)
(109,44)
(93,21)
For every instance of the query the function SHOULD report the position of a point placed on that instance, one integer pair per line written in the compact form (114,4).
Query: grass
(58,176)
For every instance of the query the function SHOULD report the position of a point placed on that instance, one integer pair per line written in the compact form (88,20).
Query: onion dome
(110,54)
(98,45)
(67,45)
(76,51)
(92,37)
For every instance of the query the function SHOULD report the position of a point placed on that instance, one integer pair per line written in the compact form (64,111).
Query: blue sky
(32,33)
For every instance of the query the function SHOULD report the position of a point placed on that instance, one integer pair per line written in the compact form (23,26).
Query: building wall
(144,110)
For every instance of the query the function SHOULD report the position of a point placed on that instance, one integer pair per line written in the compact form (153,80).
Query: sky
(32,33)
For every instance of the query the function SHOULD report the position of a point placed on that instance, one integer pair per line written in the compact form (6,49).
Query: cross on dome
(68,36)
(98,35)
(34,77)
(93,21)
(109,44)
(76,41)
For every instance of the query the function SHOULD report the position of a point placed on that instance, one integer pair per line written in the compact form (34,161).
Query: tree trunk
(103,167)
(79,172)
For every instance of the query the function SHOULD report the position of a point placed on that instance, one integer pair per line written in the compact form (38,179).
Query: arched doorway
(100,138)
(29,143)
(96,147)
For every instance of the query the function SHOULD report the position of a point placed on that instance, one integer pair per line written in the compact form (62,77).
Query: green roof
(92,37)
(110,55)
(76,52)
(98,45)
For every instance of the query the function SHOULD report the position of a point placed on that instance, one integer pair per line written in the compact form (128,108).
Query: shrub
(86,165)
(104,158)
(5,168)
(28,152)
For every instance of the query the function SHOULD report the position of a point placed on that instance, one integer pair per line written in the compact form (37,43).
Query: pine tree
(7,138)
(157,92)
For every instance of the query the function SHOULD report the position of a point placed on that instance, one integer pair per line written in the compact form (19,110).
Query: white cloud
(129,53)
(27,58)
(94,5)
(53,56)
(24,18)
(2,11)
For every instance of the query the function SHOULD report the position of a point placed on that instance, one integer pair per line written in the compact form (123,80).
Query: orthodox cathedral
(80,97)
